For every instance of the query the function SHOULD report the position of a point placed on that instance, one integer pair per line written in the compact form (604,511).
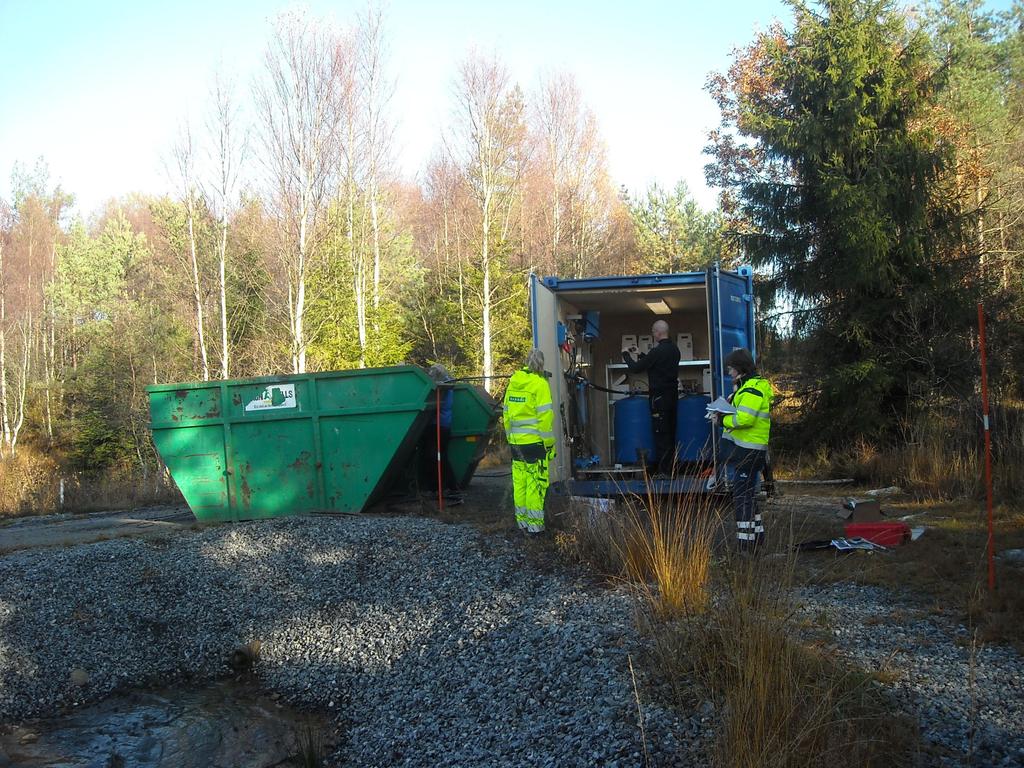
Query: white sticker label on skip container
(273,397)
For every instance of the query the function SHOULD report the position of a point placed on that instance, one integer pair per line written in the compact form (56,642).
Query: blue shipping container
(709,314)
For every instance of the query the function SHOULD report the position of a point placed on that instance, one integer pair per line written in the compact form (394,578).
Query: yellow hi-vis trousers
(529,485)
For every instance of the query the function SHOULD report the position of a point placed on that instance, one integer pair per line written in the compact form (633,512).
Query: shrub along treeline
(870,167)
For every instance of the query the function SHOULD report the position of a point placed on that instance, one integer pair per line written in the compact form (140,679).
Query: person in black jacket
(662,367)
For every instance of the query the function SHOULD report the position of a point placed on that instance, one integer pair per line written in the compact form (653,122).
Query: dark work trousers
(745,465)
(663,421)
(428,455)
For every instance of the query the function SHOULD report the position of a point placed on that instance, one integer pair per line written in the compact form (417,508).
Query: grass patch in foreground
(782,702)
(722,629)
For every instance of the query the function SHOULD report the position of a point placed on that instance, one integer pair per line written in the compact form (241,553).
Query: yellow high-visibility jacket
(751,425)
(527,412)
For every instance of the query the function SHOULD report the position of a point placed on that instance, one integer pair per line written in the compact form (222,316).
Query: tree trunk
(196,288)
(979,198)
(5,424)
(462,277)
(22,384)
(47,414)
(376,258)
(298,337)
(48,340)
(486,266)
(1005,253)
(224,352)
(358,265)
(462,297)
(556,203)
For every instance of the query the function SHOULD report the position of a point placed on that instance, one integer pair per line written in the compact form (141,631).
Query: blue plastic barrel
(692,428)
(633,430)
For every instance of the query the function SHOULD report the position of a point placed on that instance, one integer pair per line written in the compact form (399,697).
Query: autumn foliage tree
(980,114)
(573,214)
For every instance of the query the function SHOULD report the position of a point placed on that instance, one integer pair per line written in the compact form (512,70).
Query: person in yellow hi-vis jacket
(745,443)
(529,425)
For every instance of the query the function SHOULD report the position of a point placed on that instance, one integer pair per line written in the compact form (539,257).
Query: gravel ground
(433,644)
(436,645)
(969,703)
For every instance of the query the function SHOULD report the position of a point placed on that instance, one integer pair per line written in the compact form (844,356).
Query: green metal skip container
(474,414)
(321,442)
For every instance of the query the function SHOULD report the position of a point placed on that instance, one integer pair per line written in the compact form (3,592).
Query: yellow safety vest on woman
(527,412)
(529,417)
(751,425)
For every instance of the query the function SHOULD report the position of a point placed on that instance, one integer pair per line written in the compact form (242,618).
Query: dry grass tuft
(779,702)
(667,550)
(26,482)
(784,703)
(592,535)
(30,484)
(939,456)
(663,548)
(312,748)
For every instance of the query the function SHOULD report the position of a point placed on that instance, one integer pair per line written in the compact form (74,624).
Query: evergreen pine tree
(831,176)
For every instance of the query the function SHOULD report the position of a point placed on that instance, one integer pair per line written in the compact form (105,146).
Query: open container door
(544,320)
(731,322)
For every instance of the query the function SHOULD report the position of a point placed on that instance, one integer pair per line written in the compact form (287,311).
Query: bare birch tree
(229,144)
(351,167)
(5,427)
(488,132)
(376,91)
(556,108)
(19,382)
(184,160)
(49,337)
(581,199)
(299,114)
(29,230)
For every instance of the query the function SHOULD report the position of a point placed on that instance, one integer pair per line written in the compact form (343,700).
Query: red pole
(988,450)
(437,414)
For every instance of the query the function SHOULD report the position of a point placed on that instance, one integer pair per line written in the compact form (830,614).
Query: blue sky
(99,89)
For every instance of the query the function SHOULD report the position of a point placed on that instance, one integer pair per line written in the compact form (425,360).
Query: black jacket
(661,364)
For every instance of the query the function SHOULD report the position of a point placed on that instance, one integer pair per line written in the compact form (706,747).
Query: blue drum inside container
(692,428)
(634,435)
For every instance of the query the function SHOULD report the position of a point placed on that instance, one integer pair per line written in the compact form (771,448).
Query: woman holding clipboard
(745,440)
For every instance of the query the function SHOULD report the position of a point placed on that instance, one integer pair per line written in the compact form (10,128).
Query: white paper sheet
(721,405)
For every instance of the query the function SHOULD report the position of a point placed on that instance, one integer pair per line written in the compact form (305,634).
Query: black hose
(599,388)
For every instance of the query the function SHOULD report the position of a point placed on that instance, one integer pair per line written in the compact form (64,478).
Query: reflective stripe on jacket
(750,426)
(527,412)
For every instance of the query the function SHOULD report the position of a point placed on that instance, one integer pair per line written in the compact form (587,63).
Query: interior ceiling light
(658,307)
